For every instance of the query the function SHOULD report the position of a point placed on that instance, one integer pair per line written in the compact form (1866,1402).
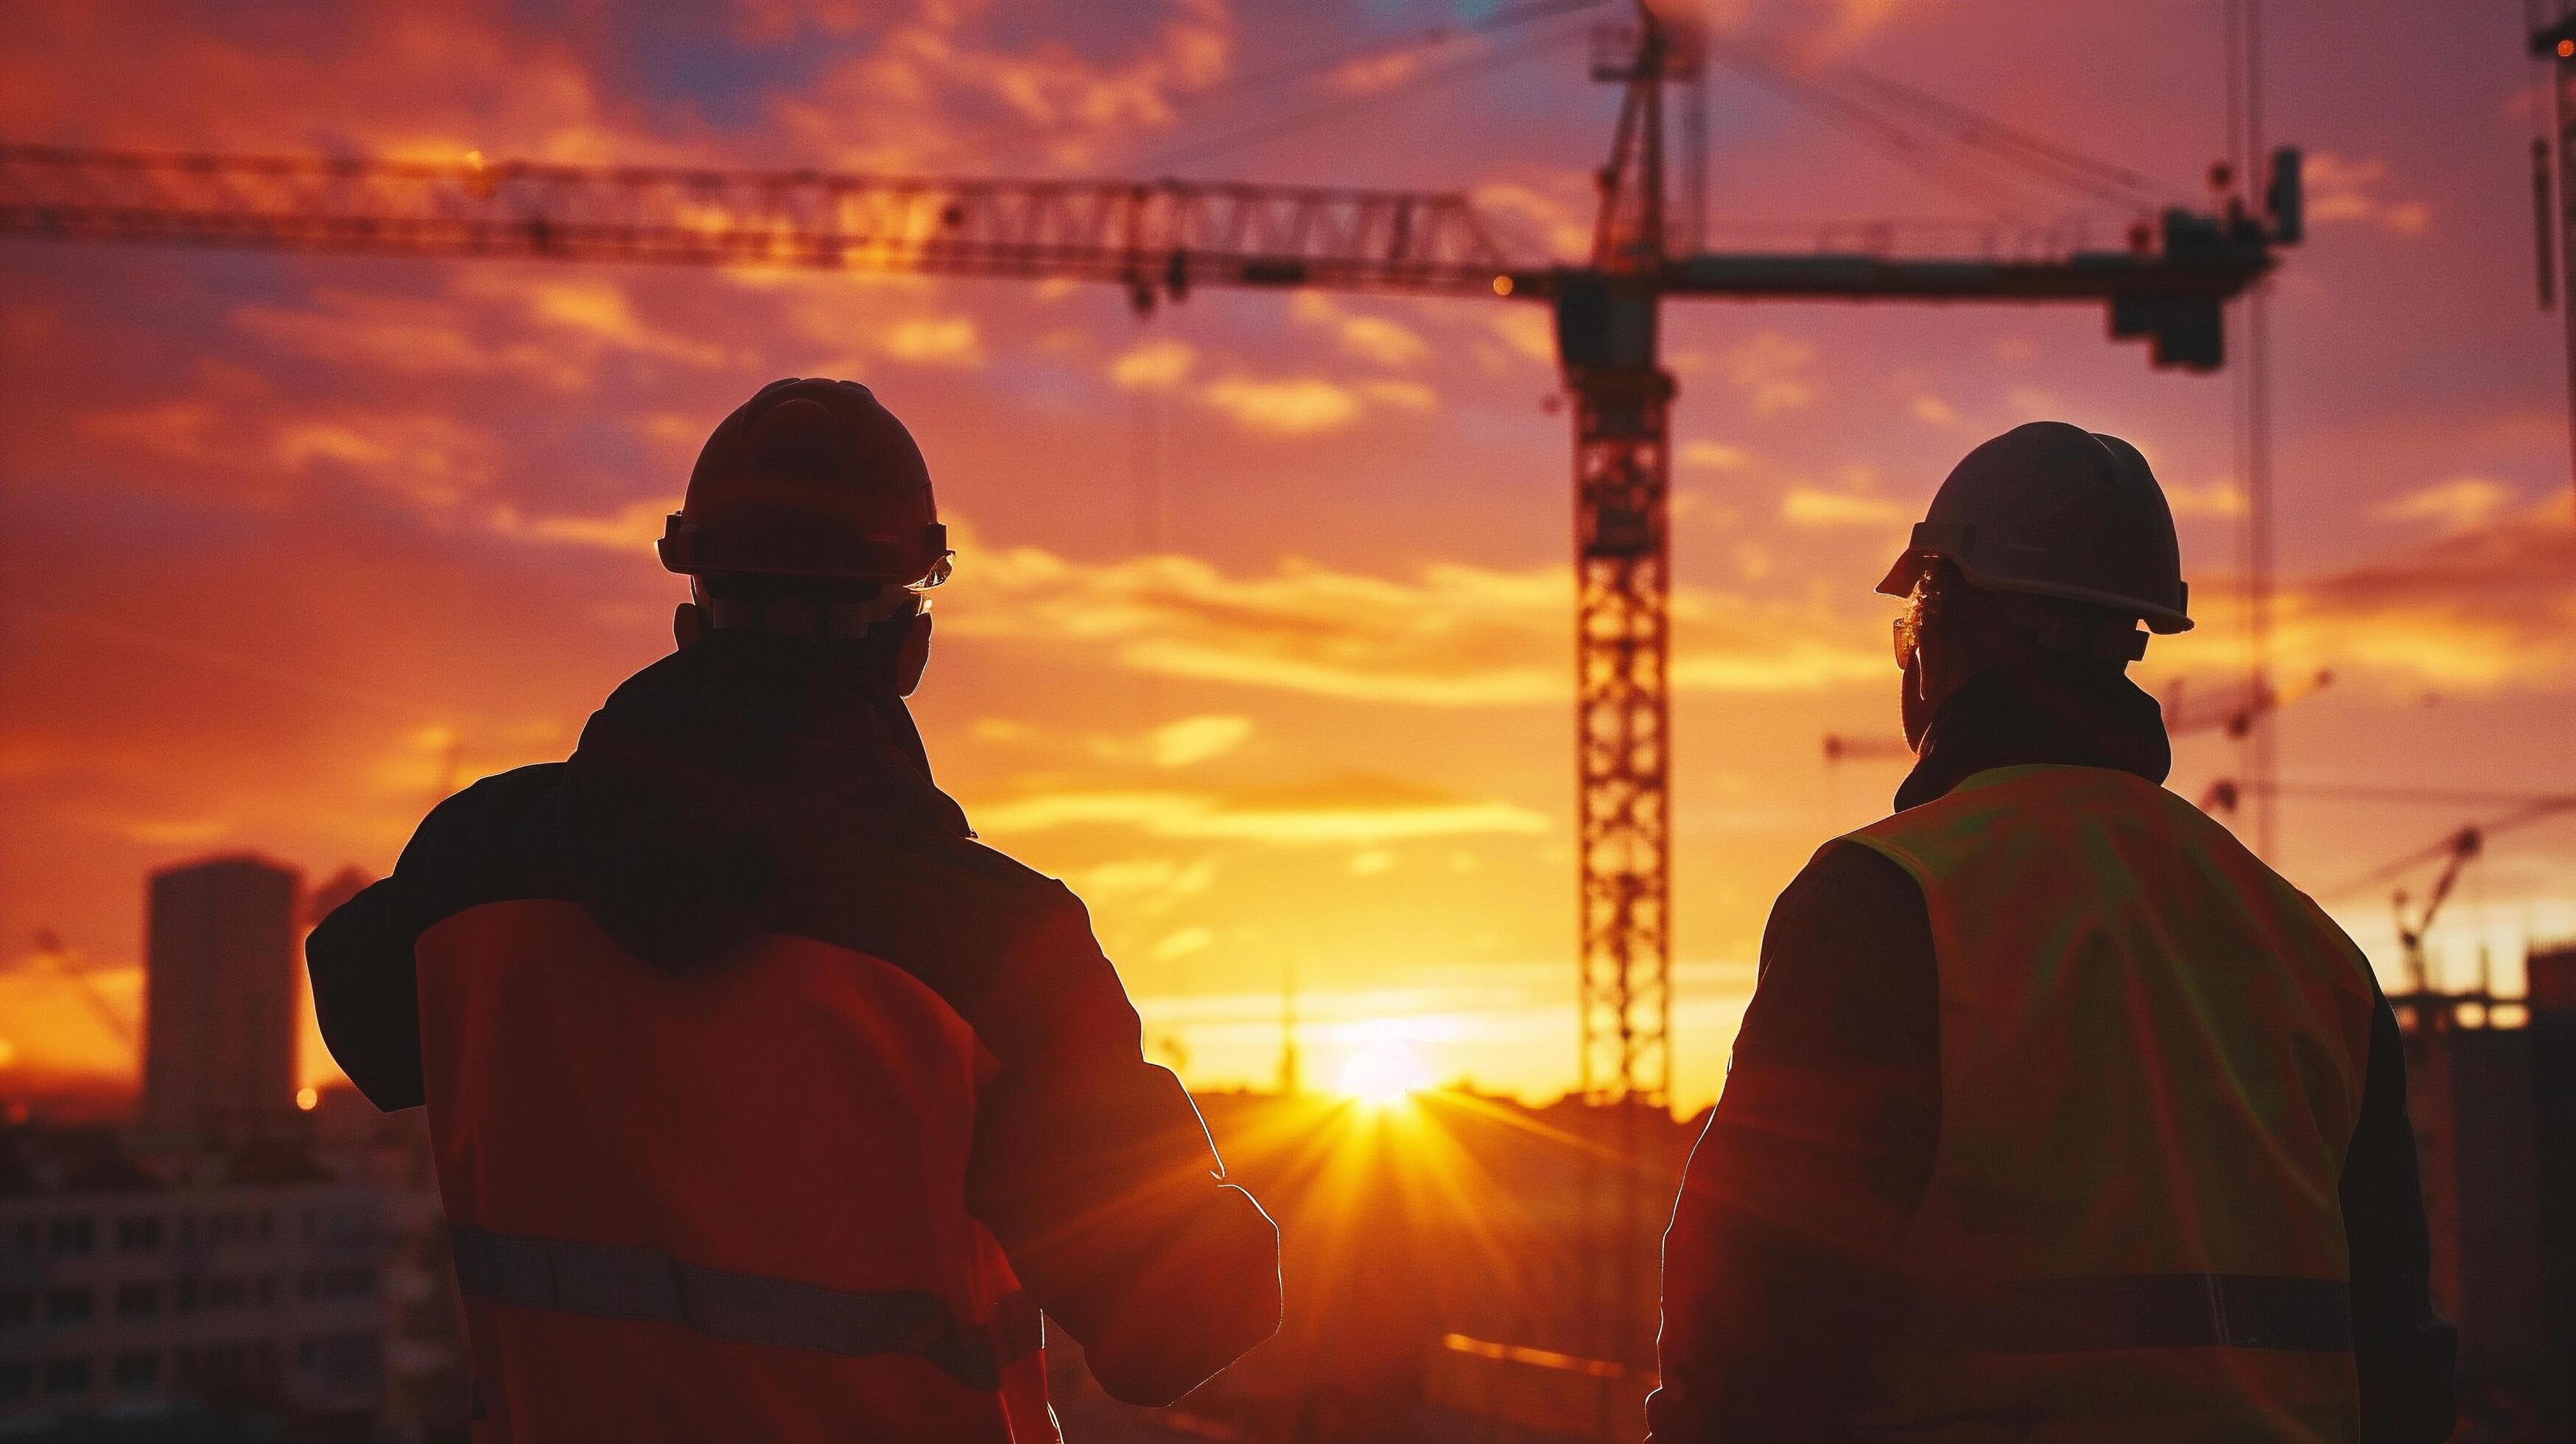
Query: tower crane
(2551,25)
(2455,850)
(1162,240)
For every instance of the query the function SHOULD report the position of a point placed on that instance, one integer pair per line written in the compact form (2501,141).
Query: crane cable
(1860,99)
(2532,810)
(1343,107)
(1257,84)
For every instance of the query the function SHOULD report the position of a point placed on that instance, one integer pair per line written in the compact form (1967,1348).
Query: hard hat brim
(1914,562)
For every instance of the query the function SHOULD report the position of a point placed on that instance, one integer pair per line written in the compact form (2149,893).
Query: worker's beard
(1912,710)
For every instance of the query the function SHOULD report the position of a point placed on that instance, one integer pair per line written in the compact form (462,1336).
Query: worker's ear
(912,656)
(688,624)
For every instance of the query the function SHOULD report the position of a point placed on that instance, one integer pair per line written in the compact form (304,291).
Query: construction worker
(768,1104)
(2056,1115)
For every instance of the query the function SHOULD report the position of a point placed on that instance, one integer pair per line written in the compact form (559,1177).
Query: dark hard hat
(810,478)
(2053,510)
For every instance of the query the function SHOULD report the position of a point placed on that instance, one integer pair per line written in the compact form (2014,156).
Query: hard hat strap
(2108,639)
(795,616)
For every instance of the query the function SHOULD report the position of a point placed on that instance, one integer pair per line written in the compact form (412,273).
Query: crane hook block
(2285,197)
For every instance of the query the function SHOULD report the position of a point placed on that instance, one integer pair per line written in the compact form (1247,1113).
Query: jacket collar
(2069,715)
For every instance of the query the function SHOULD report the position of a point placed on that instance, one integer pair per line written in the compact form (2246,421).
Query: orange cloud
(1772,369)
(1452,635)
(2454,505)
(1294,406)
(2349,192)
(1356,807)
(2485,607)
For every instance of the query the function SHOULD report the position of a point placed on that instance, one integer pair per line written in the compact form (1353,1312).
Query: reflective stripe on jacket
(749,1180)
(2152,1053)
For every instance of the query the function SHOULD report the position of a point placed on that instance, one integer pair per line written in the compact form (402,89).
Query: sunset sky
(1260,633)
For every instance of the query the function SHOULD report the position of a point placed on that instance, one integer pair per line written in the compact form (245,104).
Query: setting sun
(1384,1069)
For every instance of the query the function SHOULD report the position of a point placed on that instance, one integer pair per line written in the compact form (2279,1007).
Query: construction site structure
(2167,282)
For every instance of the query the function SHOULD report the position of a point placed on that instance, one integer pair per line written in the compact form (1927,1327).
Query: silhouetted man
(767,1103)
(2056,1115)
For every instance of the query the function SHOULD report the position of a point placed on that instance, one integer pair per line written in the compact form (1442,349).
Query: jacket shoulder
(967,874)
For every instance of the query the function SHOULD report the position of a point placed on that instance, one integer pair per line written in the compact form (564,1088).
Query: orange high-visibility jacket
(767,1104)
(2152,1054)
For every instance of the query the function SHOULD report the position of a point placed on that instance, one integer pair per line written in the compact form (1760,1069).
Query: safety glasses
(1908,626)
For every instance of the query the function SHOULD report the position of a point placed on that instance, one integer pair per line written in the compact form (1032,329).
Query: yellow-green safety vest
(2152,1051)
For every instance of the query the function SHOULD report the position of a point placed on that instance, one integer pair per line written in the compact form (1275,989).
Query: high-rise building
(220,989)
(2551,989)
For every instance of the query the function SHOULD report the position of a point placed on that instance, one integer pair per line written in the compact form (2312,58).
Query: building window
(354,1359)
(138,1301)
(138,1235)
(66,1306)
(355,1282)
(227,1293)
(17,1380)
(72,1235)
(17,1306)
(66,1377)
(226,1364)
(138,1372)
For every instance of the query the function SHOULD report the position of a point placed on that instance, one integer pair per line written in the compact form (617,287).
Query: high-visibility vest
(2152,1051)
(722,1205)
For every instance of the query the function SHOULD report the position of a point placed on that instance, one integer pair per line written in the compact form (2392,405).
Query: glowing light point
(1384,1070)
(1503,284)
(307,1099)
(2566,49)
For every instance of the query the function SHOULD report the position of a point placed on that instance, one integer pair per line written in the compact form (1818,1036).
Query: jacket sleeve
(1779,1266)
(1095,1172)
(365,996)
(2404,1349)
(365,988)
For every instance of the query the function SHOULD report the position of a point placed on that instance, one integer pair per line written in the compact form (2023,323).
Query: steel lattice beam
(1161,236)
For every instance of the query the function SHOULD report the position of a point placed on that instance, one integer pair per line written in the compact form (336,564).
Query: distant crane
(2167,282)
(2454,851)
(72,966)
(2552,26)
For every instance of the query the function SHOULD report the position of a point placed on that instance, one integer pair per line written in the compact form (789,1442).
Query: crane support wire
(2252,418)
(1342,107)
(1881,133)
(1262,82)
(2031,156)
(2413,796)
(2538,809)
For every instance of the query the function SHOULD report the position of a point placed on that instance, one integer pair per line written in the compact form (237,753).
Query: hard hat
(2052,510)
(810,478)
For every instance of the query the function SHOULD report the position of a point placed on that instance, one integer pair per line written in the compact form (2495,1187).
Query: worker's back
(752,1077)
(2152,1053)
